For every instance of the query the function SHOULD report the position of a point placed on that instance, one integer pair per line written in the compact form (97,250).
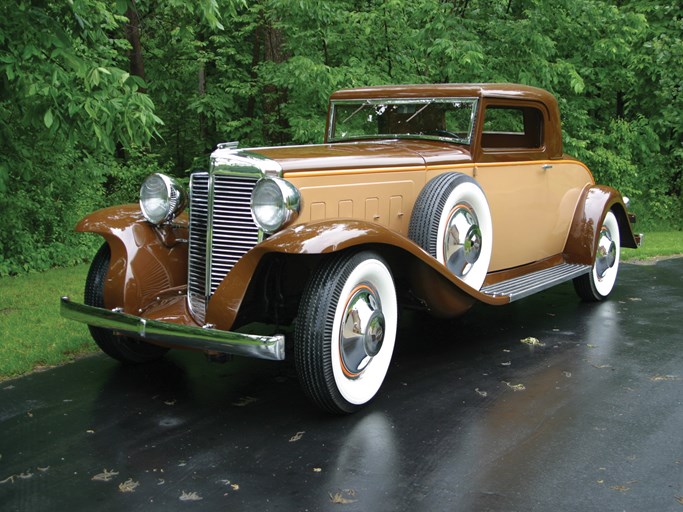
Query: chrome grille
(221,232)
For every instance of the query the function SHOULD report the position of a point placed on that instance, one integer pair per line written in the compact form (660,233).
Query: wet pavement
(469,419)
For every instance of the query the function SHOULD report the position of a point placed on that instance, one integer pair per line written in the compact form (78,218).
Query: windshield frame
(420,103)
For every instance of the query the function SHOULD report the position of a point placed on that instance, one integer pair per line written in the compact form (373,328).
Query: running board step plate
(523,286)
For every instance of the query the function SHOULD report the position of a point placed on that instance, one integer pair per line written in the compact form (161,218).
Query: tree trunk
(137,65)
(275,124)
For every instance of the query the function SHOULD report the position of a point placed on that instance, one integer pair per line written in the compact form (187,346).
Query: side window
(512,127)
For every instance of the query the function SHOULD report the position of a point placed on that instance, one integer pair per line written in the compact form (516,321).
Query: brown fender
(596,201)
(327,237)
(145,259)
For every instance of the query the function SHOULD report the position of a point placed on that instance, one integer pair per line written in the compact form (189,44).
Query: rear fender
(434,284)
(145,259)
(590,213)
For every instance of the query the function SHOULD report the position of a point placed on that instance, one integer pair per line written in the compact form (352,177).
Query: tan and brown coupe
(429,196)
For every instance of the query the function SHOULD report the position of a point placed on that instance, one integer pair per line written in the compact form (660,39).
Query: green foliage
(61,78)
(79,128)
(65,106)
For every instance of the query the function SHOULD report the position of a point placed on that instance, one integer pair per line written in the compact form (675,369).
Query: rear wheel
(124,349)
(597,285)
(346,331)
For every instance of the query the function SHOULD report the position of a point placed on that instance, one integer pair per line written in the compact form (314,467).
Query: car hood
(409,154)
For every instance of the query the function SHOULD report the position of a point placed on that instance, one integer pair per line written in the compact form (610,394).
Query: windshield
(449,119)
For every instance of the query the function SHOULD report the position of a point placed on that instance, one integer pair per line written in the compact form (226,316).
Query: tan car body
(545,209)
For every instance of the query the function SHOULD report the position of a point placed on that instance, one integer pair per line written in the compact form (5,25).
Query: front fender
(326,237)
(590,213)
(145,259)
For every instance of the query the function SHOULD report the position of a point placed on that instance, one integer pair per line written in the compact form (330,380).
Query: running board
(523,286)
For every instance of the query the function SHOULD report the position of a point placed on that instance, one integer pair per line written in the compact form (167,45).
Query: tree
(65,103)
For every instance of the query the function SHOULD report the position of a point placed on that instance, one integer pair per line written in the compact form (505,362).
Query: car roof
(484,90)
(501,91)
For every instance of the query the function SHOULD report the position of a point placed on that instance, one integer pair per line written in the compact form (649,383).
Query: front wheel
(346,330)
(124,349)
(597,285)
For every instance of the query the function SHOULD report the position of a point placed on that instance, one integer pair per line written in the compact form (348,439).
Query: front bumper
(177,335)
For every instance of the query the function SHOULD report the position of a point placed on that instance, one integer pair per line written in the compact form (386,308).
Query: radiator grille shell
(221,232)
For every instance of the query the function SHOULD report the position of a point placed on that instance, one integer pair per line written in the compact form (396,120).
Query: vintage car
(428,196)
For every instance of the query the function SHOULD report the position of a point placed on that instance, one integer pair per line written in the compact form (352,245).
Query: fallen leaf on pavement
(339,498)
(533,342)
(190,496)
(105,476)
(296,437)
(128,486)
(515,387)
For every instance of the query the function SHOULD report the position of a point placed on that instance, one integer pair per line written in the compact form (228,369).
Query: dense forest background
(96,94)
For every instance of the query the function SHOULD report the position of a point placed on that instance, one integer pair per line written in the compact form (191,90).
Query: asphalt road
(470,419)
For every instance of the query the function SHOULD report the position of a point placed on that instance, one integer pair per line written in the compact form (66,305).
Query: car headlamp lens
(161,198)
(274,203)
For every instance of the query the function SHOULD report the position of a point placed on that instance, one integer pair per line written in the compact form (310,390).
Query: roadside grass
(33,335)
(663,243)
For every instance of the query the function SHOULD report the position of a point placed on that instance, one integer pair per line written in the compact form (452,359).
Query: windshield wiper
(367,102)
(418,112)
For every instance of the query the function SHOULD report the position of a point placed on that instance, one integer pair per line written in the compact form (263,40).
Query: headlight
(274,203)
(161,198)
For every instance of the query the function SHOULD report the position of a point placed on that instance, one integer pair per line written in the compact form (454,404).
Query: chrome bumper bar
(177,335)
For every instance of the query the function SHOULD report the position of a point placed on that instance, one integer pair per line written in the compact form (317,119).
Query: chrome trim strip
(210,196)
(196,268)
(523,286)
(177,335)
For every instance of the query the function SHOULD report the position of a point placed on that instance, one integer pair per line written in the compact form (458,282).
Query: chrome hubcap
(462,243)
(606,254)
(362,330)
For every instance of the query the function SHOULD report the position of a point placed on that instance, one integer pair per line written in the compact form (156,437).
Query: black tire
(447,202)
(121,348)
(599,282)
(341,369)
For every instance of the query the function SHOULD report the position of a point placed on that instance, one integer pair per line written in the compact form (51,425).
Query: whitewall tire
(598,284)
(346,331)
(451,220)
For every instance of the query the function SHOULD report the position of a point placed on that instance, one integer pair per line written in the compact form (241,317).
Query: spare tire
(451,220)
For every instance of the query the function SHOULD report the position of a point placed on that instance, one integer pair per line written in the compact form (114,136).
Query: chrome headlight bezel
(162,198)
(275,203)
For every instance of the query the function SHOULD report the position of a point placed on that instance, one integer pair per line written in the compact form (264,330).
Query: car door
(532,196)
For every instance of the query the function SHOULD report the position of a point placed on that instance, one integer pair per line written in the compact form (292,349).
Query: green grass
(667,243)
(34,335)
